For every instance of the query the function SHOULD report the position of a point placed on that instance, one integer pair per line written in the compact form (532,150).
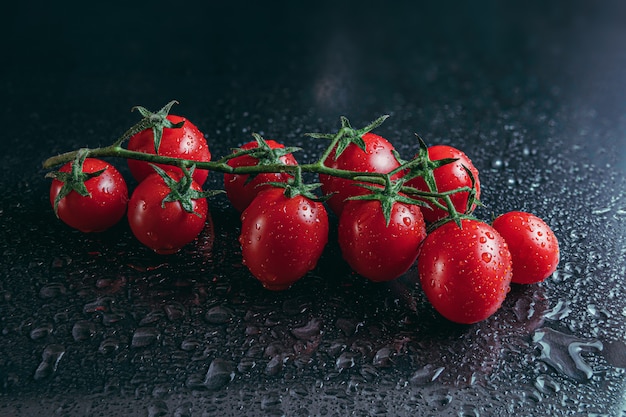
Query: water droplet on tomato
(486,256)
(407,221)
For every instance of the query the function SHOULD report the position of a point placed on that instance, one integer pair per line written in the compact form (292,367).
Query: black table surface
(96,324)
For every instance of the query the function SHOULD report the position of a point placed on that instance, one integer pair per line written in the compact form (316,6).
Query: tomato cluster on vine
(391,213)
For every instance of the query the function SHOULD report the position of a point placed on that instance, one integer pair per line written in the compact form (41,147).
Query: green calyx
(157,122)
(347,135)
(266,155)
(73,180)
(182,191)
(423,166)
(388,195)
(296,186)
(380,185)
(453,214)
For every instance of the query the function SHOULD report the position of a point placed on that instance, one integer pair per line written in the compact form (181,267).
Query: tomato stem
(421,165)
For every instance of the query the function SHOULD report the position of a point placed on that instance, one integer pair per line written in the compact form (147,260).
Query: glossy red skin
(105,207)
(465,273)
(378,157)
(186,142)
(448,177)
(239,191)
(534,247)
(164,230)
(375,250)
(282,238)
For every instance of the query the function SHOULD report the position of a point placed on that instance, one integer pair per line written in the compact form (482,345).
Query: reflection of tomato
(165,227)
(533,245)
(377,157)
(282,238)
(105,205)
(186,142)
(448,177)
(240,188)
(465,272)
(378,251)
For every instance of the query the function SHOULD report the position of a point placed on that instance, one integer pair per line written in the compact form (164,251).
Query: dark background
(533,92)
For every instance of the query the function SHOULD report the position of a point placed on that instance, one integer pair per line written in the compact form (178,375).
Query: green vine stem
(346,132)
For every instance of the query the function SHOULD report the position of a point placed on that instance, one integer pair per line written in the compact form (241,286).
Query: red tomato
(533,246)
(282,238)
(375,250)
(448,177)
(240,189)
(377,157)
(185,142)
(103,208)
(465,272)
(164,229)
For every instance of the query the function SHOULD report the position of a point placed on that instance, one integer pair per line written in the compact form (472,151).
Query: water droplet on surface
(219,315)
(83,330)
(560,311)
(309,330)
(426,374)
(50,359)
(144,336)
(41,332)
(175,312)
(546,384)
(109,345)
(382,358)
(497,163)
(345,360)
(158,408)
(563,352)
(52,290)
(220,373)
(599,211)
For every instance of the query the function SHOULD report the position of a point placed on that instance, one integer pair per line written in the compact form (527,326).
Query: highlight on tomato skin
(241,188)
(465,272)
(533,245)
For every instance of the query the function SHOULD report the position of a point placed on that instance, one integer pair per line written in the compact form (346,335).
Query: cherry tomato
(164,227)
(534,247)
(448,177)
(240,188)
(465,272)
(185,142)
(104,207)
(282,238)
(375,250)
(377,157)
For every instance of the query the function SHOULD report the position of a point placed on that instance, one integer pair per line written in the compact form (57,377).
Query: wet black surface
(98,325)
